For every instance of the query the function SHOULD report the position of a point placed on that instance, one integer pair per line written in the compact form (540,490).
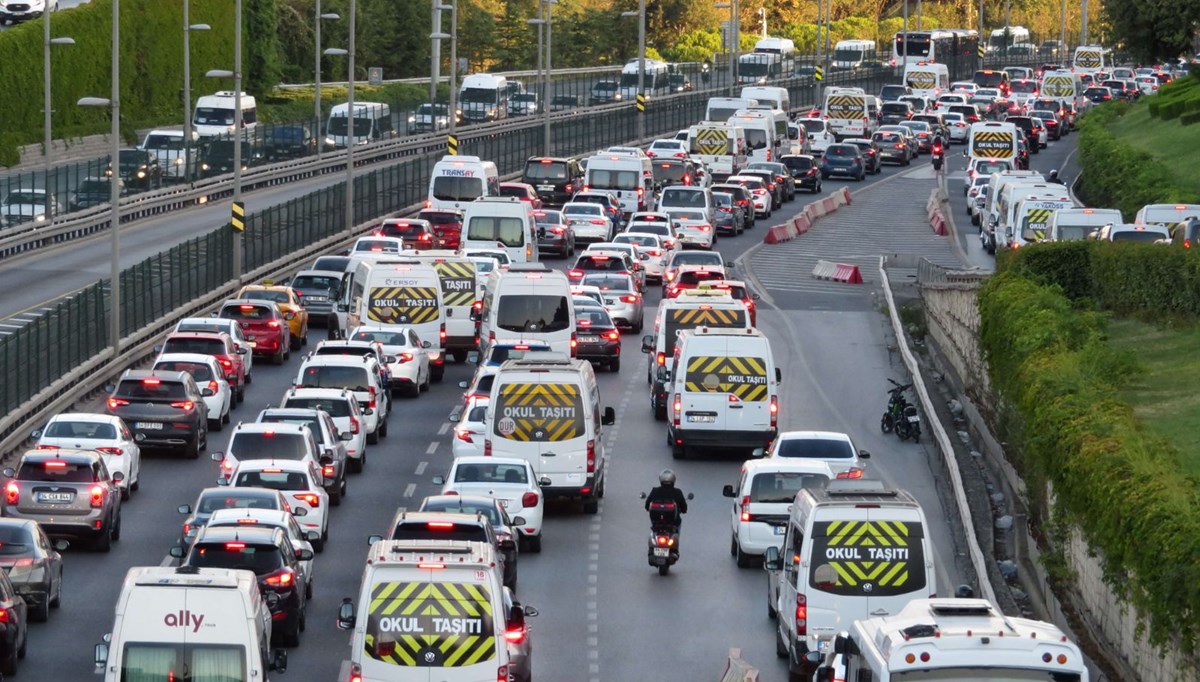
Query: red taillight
(502,674)
(97,496)
(591,456)
(663,540)
(745,505)
(677,407)
(774,411)
(851,473)
(281,578)
(213,386)
(614,336)
(574,344)
(575,274)
(12,493)
(801,615)
(185,405)
(311,499)
(442,332)
(4,616)
(327,470)
(631,298)
(464,435)
(529,500)
(354,425)
(371,397)
(569,187)
(109,450)
(225,363)
(487,447)
(661,359)
(114,403)
(405,357)
(516,636)
(273,324)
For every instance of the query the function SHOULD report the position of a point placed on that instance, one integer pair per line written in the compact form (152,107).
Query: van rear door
(745,380)
(543,421)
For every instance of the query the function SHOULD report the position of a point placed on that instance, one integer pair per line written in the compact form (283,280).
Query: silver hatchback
(69,492)
(624,302)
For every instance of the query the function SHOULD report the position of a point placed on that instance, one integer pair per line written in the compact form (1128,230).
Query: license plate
(914,419)
(780,530)
(251,337)
(315,299)
(702,418)
(822,644)
(589,339)
(662,551)
(148,426)
(611,301)
(55,497)
(546,188)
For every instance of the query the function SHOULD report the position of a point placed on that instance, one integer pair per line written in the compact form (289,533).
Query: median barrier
(847,273)
(801,223)
(779,233)
(805,219)
(937,218)
(737,670)
(824,269)
(829,205)
(845,196)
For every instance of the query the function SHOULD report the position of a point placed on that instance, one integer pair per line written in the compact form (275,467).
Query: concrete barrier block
(846,196)
(848,273)
(801,223)
(824,269)
(814,210)
(829,205)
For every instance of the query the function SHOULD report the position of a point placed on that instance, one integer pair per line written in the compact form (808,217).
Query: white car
(408,359)
(361,376)
(676,149)
(108,435)
(343,408)
(509,480)
(268,442)
(829,446)
(251,517)
(28,206)
(391,245)
(469,428)
(214,387)
(300,483)
(762,502)
(588,221)
(592,292)
(1043,136)
(694,229)
(760,198)
(819,137)
(651,246)
(222,324)
(966,87)
(957,123)
(1147,84)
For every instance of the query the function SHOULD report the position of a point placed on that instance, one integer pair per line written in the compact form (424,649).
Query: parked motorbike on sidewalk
(901,416)
(663,550)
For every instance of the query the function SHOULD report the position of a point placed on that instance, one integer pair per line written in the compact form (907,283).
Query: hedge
(1050,362)
(1116,175)
(151,65)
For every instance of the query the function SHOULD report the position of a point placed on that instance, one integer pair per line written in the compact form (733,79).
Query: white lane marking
(445,428)
(166,561)
(421,468)
(410,489)
(432,448)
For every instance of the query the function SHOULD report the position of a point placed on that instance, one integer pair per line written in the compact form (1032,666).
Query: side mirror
(118,477)
(426,344)
(279,661)
(178,551)
(300,511)
(464,384)
(758,453)
(727,491)
(771,560)
(207,392)
(530,611)
(368,411)
(345,436)
(242,351)
(36,434)
(372,539)
(643,496)
(813,659)
(863,454)
(474,315)
(222,481)
(518,520)
(610,417)
(343,307)
(648,344)
(9,472)
(289,316)
(158,348)
(182,509)
(441,480)
(311,535)
(101,656)
(304,554)
(109,388)
(346,619)
(217,456)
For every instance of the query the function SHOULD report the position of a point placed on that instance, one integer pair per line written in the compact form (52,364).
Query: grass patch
(1167,141)
(1164,396)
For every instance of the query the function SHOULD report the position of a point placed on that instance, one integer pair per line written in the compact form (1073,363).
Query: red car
(264,325)
(217,344)
(417,234)
(522,191)
(447,225)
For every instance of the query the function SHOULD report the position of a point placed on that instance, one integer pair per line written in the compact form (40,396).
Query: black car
(138,169)
(843,159)
(892,93)
(283,142)
(275,561)
(870,153)
(768,180)
(92,191)
(741,195)
(555,179)
(554,235)
(13,626)
(891,113)
(216,157)
(1029,127)
(604,92)
(937,125)
(1098,94)
(783,177)
(804,171)
(599,339)
(679,82)
(1022,161)
(728,218)
(165,408)
(669,172)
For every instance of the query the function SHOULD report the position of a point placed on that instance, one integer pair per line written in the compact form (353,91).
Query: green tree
(294,28)
(1154,29)
(514,47)
(261,39)
(696,46)
(395,37)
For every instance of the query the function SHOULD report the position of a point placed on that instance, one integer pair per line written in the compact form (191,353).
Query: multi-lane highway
(605,614)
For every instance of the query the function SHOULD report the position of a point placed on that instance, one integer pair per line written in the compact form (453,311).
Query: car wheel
(383,429)
(614,365)
(744,560)
(534,543)
(116,529)
(304,339)
(294,343)
(355,465)
(373,437)
(308,590)
(732,546)
(292,639)
(41,612)
(460,356)
(318,545)
(124,493)
(216,424)
(591,505)
(103,543)
(192,449)
(9,665)
(225,417)
(279,358)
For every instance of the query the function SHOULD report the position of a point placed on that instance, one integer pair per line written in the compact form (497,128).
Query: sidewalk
(886,218)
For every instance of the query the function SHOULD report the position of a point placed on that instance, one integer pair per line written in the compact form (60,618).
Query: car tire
(383,429)
(425,386)
(614,365)
(103,543)
(591,505)
(278,358)
(437,375)
(225,417)
(460,356)
(354,465)
(9,665)
(743,560)
(304,339)
(216,424)
(373,437)
(57,602)
(192,449)
(41,612)
(292,639)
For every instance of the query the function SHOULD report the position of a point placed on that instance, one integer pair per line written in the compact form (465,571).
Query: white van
(724,390)
(992,140)
(849,55)
(1031,222)
(721,147)
(456,181)
(501,223)
(460,292)
(400,291)
(777,98)
(1091,59)
(1075,224)
(847,112)
(430,609)
(762,499)
(170,620)
(372,122)
(719,109)
(483,97)
(527,302)
(628,177)
(1166,214)
(851,550)
(927,79)
(547,411)
(762,138)
(1003,229)
(214,114)
(990,214)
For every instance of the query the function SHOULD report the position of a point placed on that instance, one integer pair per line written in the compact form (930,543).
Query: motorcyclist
(666,492)
(1053,177)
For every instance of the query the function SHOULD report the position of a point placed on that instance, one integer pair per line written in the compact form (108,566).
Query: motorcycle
(901,417)
(663,551)
(938,157)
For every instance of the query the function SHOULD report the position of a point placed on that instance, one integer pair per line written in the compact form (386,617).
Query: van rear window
(454,188)
(335,408)
(195,662)
(867,558)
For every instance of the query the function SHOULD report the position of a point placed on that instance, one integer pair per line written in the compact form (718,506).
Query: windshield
(142,662)
(268,445)
(334,376)
(780,487)
(605,86)
(168,142)
(583,209)
(315,282)
(93,186)
(629,80)
(265,295)
(424,110)
(1024,87)
(213,117)
(989,79)
(453,188)
(272,480)
(683,197)
(69,429)
(848,54)
(491,473)
(755,68)
(1137,236)
(718,115)
(521,313)
(479,95)
(194,345)
(200,372)
(362,126)
(613,179)
(1070,233)
(815,448)
(25,198)
(508,231)
(696,258)
(254,313)
(55,471)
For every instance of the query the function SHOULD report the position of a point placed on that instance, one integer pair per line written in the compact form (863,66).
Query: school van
(762,137)
(1076,224)
(456,181)
(630,178)
(402,292)
(851,550)
(692,308)
(996,183)
(372,123)
(460,292)
(992,140)
(1031,222)
(1064,86)
(483,97)
(527,303)
(777,98)
(547,411)
(1166,214)
(430,609)
(719,109)
(214,114)
(189,623)
(762,500)
(847,113)
(927,79)
(1091,59)
(1011,195)
(501,223)
(721,147)
(723,390)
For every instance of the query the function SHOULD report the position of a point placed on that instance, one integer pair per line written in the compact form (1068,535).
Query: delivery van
(547,411)
(506,223)
(847,113)
(456,181)
(527,303)
(400,291)
(175,622)
(1076,224)
(851,550)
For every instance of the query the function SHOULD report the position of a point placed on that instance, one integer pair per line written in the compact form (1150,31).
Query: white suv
(258,441)
(360,375)
(343,408)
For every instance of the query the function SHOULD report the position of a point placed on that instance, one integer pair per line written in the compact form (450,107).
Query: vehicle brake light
(745,504)
(614,336)
(185,405)
(774,411)
(514,635)
(801,615)
(464,435)
(574,344)
(371,397)
(327,470)
(56,464)
(487,447)
(273,324)
(404,357)
(109,450)
(235,546)
(114,403)
(281,578)
(502,674)
(12,493)
(354,425)
(311,499)
(854,472)
(575,273)
(529,500)
(591,456)
(677,407)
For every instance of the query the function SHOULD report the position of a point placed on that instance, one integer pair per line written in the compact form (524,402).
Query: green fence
(168,280)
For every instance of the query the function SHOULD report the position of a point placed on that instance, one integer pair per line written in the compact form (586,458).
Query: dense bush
(1121,486)
(1190,117)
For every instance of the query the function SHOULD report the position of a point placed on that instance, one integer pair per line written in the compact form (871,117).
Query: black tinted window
(487,510)
(201,346)
(335,408)
(66,429)
(55,471)
(268,445)
(19,539)
(553,171)
(431,531)
(239,499)
(816,448)
(151,389)
(333,376)
(261,559)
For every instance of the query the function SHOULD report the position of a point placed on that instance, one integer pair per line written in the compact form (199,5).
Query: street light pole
(435,58)
(188,27)
(47,41)
(237,132)
(453,113)
(641,87)
(350,141)
(330,16)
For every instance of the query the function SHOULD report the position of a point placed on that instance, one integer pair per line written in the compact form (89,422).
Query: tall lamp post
(238,133)
(188,27)
(547,22)
(641,15)
(47,41)
(327,16)
(452,36)
(351,118)
(734,41)
(113,104)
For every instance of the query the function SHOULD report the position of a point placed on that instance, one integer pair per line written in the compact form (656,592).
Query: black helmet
(667,477)
(1053,175)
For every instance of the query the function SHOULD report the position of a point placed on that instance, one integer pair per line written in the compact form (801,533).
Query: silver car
(317,290)
(588,221)
(621,297)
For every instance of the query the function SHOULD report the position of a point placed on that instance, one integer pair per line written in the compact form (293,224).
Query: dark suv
(604,92)
(69,492)
(166,408)
(270,554)
(555,179)
(892,113)
(804,171)
(741,195)
(416,234)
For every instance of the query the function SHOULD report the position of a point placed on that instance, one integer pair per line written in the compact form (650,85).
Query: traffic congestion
(457,394)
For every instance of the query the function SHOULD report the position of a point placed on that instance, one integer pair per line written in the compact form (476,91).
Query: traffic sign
(818,73)
(375,75)
(641,103)
(238,216)
(452,145)
(982,51)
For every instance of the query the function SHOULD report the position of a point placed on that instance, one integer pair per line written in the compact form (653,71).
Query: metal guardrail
(528,73)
